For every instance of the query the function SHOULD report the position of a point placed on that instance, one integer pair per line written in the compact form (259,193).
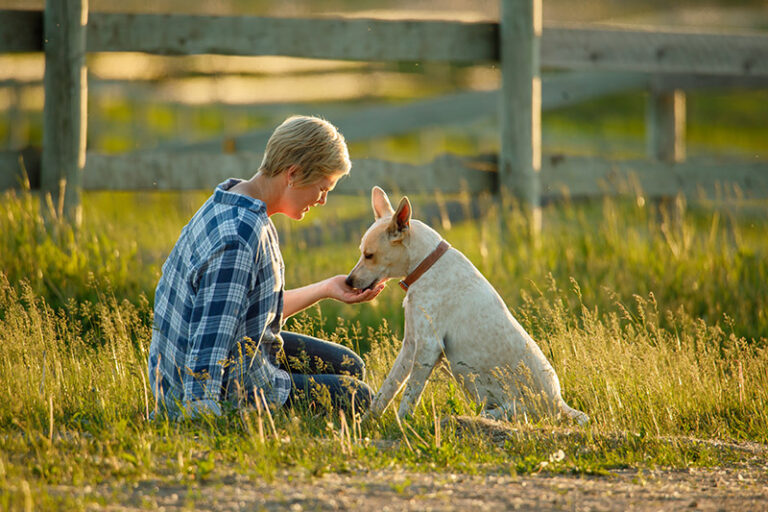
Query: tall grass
(654,318)
(710,259)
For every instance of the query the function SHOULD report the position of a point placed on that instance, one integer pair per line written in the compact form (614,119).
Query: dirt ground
(742,489)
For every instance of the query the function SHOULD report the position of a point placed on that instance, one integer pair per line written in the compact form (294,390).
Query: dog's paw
(581,418)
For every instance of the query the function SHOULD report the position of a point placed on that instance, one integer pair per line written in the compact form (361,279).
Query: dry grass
(655,326)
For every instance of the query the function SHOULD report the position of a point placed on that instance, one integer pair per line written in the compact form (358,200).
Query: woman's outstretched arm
(334,287)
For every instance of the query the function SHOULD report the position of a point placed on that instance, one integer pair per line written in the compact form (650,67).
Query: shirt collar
(224,196)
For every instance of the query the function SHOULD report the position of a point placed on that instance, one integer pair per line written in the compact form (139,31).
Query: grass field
(655,317)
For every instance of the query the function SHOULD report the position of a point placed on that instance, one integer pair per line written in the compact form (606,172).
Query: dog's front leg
(428,351)
(394,381)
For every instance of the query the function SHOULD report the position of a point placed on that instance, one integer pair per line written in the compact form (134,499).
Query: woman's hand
(337,288)
(334,287)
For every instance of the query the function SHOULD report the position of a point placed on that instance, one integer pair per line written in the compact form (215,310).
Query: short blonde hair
(311,144)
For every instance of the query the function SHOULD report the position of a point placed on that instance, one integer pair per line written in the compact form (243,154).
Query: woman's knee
(339,391)
(322,356)
(353,390)
(352,364)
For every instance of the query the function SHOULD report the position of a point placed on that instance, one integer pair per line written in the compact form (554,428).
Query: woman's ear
(292,175)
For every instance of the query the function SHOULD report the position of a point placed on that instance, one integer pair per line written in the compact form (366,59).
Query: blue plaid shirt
(218,309)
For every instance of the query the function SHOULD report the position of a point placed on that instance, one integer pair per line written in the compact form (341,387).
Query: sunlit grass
(654,317)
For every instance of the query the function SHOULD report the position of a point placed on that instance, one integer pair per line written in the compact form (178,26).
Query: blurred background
(139,101)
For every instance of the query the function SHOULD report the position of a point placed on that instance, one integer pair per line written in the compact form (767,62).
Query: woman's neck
(264,188)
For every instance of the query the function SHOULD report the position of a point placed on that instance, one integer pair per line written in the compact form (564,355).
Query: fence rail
(558,90)
(563,46)
(661,61)
(561,175)
(652,51)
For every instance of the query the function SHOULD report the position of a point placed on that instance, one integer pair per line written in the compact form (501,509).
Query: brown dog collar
(425,264)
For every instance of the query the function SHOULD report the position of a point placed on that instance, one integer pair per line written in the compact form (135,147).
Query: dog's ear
(380,202)
(401,221)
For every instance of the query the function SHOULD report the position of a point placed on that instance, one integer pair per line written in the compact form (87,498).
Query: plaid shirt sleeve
(219,309)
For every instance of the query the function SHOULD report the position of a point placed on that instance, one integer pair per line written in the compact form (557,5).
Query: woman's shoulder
(251,228)
(228,219)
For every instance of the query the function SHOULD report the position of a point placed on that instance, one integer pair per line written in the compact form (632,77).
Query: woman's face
(301,198)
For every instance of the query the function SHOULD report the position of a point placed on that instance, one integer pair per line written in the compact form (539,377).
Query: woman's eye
(368,256)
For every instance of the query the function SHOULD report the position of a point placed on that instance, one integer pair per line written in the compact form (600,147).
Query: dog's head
(383,250)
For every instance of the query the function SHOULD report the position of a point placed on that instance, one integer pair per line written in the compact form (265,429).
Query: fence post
(520,103)
(64,113)
(665,125)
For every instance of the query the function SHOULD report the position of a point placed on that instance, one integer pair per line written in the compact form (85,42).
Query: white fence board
(569,47)
(560,175)
(163,171)
(195,171)
(572,47)
(693,82)
(559,90)
(563,89)
(327,38)
(368,123)
(580,47)
(592,177)
(448,173)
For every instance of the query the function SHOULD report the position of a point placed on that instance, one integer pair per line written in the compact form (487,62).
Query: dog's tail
(576,415)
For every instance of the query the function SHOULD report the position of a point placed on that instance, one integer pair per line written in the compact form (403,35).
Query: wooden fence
(601,60)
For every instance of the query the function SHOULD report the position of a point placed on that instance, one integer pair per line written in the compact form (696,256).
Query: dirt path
(743,489)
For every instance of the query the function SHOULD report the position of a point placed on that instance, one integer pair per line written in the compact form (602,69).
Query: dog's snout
(350,281)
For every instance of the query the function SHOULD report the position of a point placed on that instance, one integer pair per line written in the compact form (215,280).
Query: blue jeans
(316,365)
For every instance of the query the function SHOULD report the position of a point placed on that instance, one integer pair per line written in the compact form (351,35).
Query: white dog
(453,315)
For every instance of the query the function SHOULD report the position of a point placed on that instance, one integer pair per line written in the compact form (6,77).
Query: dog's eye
(368,256)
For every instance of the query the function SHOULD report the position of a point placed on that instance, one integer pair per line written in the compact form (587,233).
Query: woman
(221,302)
